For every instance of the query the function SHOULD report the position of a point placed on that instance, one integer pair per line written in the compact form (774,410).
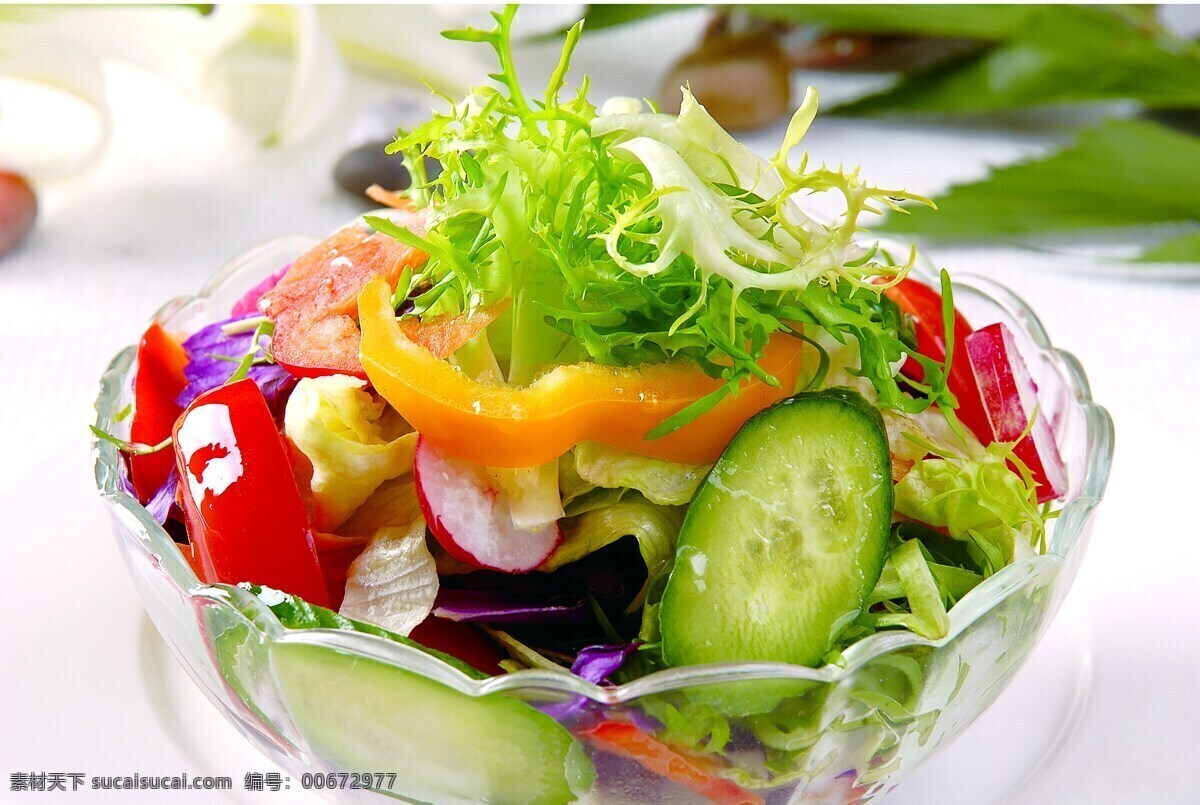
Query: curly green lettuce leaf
(639,237)
(660,481)
(979,500)
(731,212)
(354,442)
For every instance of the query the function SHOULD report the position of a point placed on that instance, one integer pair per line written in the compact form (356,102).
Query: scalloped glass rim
(1063,542)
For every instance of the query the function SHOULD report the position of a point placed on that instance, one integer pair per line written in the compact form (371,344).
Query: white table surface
(86,684)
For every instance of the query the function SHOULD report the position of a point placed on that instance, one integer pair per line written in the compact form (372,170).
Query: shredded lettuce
(909,435)
(978,499)
(532,493)
(573,490)
(394,504)
(908,575)
(696,726)
(795,725)
(663,482)
(393,583)
(654,527)
(354,442)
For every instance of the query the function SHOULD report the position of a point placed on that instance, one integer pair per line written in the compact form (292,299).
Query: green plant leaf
(986,22)
(1181,249)
(1062,54)
(1119,173)
(989,22)
(599,16)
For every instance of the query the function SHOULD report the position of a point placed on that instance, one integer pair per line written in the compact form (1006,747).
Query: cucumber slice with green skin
(444,746)
(786,537)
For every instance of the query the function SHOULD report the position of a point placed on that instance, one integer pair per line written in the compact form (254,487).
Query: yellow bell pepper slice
(506,426)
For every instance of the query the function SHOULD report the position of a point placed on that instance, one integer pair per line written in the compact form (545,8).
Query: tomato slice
(243,509)
(629,741)
(924,305)
(315,303)
(442,335)
(156,386)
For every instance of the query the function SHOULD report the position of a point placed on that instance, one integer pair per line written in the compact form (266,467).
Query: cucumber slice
(444,746)
(785,539)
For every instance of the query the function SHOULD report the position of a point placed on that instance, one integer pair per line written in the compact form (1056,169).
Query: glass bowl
(323,702)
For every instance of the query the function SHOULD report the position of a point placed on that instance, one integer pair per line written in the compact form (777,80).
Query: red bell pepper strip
(459,640)
(626,740)
(1009,396)
(924,305)
(159,380)
(243,509)
(336,553)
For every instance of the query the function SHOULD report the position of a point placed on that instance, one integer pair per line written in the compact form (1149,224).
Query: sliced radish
(472,518)
(1009,398)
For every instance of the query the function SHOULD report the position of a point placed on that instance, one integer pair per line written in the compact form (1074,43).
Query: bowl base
(1004,754)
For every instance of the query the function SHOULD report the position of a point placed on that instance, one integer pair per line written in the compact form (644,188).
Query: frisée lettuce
(638,237)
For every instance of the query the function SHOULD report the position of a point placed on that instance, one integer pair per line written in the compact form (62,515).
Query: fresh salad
(598,397)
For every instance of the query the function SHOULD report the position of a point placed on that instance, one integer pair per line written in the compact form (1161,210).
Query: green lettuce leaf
(907,574)
(296,613)
(654,527)
(978,500)
(663,482)
(353,441)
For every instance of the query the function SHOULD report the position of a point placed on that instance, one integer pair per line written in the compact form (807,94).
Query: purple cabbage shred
(248,304)
(467,605)
(159,506)
(597,663)
(207,368)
